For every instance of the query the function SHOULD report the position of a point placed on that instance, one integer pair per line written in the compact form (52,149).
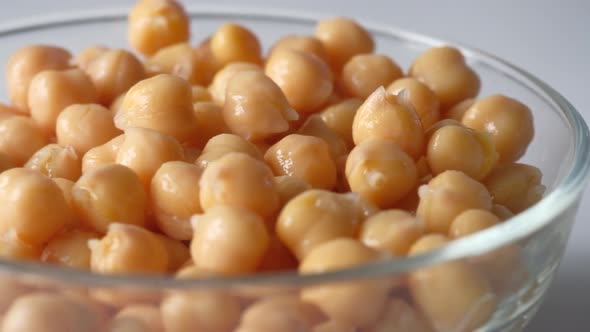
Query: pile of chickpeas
(221,160)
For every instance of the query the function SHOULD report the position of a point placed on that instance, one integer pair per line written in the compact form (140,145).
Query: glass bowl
(518,258)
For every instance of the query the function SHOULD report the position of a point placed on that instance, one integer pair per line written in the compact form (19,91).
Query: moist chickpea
(56,161)
(340,116)
(13,248)
(20,139)
(235,43)
(255,107)
(388,116)
(400,316)
(309,44)
(290,186)
(218,86)
(461,149)
(32,206)
(440,124)
(69,249)
(340,301)
(502,212)
(343,38)
(472,221)
(239,180)
(306,157)
(27,62)
(516,186)
(178,253)
(154,24)
(423,99)
(138,318)
(277,257)
(108,194)
(102,154)
(201,94)
(305,79)
(509,121)
(228,240)
(364,73)
(85,126)
(380,171)
(457,111)
(115,106)
(162,103)
(128,249)
(210,122)
(51,91)
(393,231)
(180,60)
(222,144)
(208,64)
(445,72)
(315,126)
(87,55)
(317,216)
(66,189)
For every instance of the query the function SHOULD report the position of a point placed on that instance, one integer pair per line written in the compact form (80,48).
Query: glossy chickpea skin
(305,79)
(83,59)
(400,316)
(340,117)
(445,72)
(388,116)
(457,111)
(27,62)
(290,186)
(380,171)
(472,221)
(306,157)
(69,249)
(279,313)
(516,186)
(218,86)
(56,161)
(102,154)
(178,59)
(222,144)
(423,99)
(315,126)
(108,194)
(393,231)
(20,139)
(233,42)
(210,122)
(364,73)
(13,248)
(509,121)
(309,44)
(154,24)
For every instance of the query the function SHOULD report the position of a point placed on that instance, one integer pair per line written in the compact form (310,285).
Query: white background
(549,38)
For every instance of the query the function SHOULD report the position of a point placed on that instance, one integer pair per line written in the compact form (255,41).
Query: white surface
(546,37)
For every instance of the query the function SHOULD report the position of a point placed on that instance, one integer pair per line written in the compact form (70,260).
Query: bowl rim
(566,193)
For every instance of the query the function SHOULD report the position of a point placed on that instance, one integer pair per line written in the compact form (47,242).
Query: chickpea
(315,126)
(27,62)
(69,249)
(388,116)
(423,99)
(32,206)
(148,317)
(115,106)
(201,94)
(306,157)
(218,86)
(120,298)
(502,212)
(20,139)
(445,72)
(380,171)
(235,43)
(509,122)
(200,311)
(178,59)
(364,73)
(393,231)
(50,312)
(108,194)
(162,103)
(102,154)
(228,240)
(87,55)
(340,116)
(400,316)
(340,300)
(154,24)
(128,249)
(56,161)
(277,257)
(10,290)
(178,253)
(289,187)
(85,126)
(301,43)
(440,124)
(446,196)
(210,123)
(333,326)
(9,110)
(13,248)
(457,111)
(317,216)
(305,79)
(255,107)
(222,144)
(472,221)
(343,38)
(516,186)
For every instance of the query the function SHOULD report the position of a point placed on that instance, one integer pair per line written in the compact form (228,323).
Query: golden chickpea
(301,43)
(87,55)
(340,116)
(149,316)
(472,221)
(445,72)
(340,300)
(393,231)
(32,205)
(380,171)
(502,212)
(174,198)
(218,86)
(50,312)
(200,311)
(235,43)
(108,194)
(178,59)
(207,63)
(113,72)
(306,157)
(222,144)
(457,111)
(305,79)
(516,186)
(364,73)
(201,94)
(9,110)
(27,62)
(210,123)
(178,253)
(128,249)
(228,240)
(13,248)
(461,149)
(66,188)
(277,257)
(343,38)
(85,126)
(119,298)
(154,24)
(115,106)
(56,161)
(290,186)
(317,216)
(400,316)
(333,326)
(102,154)
(440,124)
(255,107)
(388,116)
(162,103)
(421,97)
(69,249)
(20,139)
(509,122)
(446,196)
(315,126)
